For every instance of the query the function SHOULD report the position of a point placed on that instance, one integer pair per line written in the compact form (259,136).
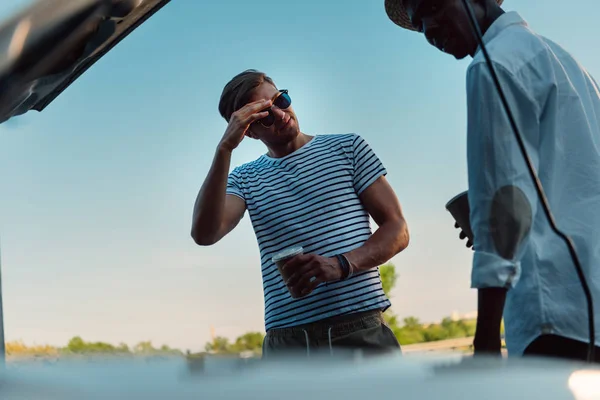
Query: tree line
(78,346)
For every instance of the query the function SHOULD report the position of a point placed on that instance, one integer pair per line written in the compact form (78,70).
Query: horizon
(214,334)
(98,189)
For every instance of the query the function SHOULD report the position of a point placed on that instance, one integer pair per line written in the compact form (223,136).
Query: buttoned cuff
(491,270)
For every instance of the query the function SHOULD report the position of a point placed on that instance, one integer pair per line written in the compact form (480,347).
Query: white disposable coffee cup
(283,256)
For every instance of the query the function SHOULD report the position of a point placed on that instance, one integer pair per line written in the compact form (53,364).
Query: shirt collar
(504,21)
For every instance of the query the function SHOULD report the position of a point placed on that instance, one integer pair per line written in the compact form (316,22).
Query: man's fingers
(308,284)
(255,106)
(291,263)
(312,285)
(462,235)
(244,114)
(255,117)
(294,263)
(307,280)
(295,270)
(456,225)
(295,277)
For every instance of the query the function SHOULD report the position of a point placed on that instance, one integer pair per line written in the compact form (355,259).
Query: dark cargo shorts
(364,332)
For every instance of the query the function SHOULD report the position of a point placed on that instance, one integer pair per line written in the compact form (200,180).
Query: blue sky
(97,191)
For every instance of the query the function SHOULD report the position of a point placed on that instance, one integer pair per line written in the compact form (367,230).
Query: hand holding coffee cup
(281,258)
(303,273)
(459,208)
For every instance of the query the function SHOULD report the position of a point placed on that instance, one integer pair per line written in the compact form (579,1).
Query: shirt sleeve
(502,195)
(234,186)
(367,166)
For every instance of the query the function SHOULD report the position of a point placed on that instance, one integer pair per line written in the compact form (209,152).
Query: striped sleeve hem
(235,193)
(367,166)
(378,173)
(233,185)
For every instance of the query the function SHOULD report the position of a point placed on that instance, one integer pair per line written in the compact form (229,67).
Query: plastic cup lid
(287,253)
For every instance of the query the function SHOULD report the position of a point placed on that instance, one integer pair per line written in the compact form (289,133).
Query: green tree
(388,277)
(79,346)
(251,341)
(453,329)
(433,333)
(76,345)
(409,336)
(144,348)
(412,323)
(218,345)
(123,348)
(410,332)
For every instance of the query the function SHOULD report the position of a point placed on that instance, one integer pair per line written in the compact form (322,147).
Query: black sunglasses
(282,100)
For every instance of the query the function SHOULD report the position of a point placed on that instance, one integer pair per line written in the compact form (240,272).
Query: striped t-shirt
(310,198)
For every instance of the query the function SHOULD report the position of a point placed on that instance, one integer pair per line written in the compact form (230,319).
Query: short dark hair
(238,90)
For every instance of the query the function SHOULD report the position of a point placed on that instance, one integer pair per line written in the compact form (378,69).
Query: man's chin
(458,54)
(290,135)
(285,136)
(290,132)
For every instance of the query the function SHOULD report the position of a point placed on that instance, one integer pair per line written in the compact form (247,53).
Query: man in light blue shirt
(521,268)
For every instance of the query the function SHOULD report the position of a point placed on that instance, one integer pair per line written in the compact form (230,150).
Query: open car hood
(47,46)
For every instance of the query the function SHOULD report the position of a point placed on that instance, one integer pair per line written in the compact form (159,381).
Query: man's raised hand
(241,120)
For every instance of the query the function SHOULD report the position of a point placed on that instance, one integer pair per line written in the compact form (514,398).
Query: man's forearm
(490,307)
(210,203)
(388,240)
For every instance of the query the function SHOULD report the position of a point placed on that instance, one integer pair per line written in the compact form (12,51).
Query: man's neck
(279,151)
(491,15)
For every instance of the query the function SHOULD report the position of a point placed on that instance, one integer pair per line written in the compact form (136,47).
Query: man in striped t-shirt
(316,192)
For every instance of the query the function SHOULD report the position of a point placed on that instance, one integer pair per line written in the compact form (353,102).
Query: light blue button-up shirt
(556,105)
